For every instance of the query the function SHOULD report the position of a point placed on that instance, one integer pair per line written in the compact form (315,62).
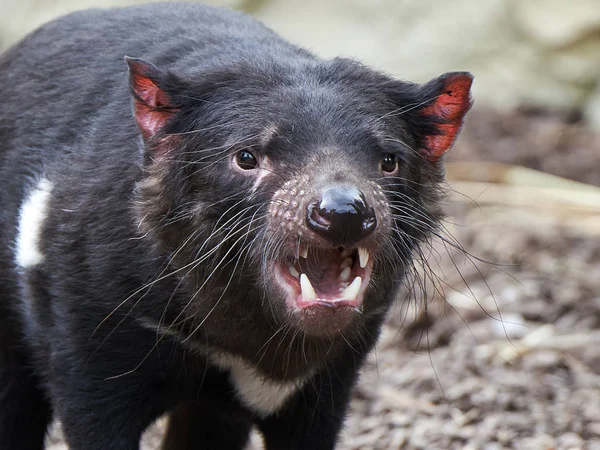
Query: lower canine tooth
(351,292)
(306,288)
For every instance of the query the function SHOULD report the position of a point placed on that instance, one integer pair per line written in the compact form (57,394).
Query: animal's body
(215,230)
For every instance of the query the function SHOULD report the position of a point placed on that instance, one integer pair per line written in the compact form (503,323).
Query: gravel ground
(508,356)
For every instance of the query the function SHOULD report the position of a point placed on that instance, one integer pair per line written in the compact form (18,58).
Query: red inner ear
(152,106)
(450,107)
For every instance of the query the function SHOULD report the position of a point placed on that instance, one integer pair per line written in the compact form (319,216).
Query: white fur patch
(34,211)
(259,393)
(256,391)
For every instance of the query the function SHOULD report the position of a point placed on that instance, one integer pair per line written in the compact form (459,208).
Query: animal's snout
(342,215)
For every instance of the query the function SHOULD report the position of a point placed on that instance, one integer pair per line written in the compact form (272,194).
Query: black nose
(342,215)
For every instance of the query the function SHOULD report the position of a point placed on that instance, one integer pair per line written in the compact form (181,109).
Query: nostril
(369,223)
(318,216)
(342,215)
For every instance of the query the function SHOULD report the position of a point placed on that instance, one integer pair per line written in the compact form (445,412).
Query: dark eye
(389,164)
(246,160)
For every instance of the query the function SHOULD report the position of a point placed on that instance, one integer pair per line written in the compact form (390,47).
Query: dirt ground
(508,356)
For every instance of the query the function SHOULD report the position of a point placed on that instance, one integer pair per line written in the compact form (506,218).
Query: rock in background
(540,53)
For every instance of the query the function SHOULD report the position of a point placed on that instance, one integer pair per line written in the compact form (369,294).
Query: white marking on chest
(261,394)
(34,211)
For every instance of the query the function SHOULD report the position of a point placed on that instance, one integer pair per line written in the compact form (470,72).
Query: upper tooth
(351,292)
(303,251)
(363,256)
(345,274)
(306,288)
(293,271)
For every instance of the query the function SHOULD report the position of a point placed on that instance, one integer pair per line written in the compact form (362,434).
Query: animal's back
(56,83)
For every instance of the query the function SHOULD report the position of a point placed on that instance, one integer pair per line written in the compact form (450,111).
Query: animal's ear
(448,98)
(152,107)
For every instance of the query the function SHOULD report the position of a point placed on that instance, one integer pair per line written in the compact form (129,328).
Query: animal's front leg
(312,419)
(197,425)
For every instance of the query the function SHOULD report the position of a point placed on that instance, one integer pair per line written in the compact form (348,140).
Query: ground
(507,353)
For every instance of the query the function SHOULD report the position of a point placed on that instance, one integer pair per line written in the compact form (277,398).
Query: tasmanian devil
(199,218)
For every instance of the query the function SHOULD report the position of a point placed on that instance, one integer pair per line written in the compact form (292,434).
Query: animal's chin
(324,288)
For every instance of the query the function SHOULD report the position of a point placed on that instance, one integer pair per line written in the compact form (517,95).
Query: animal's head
(311,185)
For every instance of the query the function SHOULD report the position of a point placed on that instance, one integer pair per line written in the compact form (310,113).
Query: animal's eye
(246,160)
(389,164)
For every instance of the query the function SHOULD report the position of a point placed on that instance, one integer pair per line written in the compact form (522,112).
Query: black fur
(129,215)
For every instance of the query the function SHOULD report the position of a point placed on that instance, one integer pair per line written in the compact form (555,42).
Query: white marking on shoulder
(259,393)
(34,211)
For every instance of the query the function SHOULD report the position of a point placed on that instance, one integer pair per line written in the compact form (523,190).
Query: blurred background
(498,346)
(543,53)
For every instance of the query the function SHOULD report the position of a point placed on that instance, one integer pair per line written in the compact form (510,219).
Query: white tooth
(346,252)
(346,263)
(363,256)
(303,251)
(351,292)
(345,274)
(308,291)
(293,271)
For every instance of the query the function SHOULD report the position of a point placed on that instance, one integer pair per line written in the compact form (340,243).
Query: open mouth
(325,277)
